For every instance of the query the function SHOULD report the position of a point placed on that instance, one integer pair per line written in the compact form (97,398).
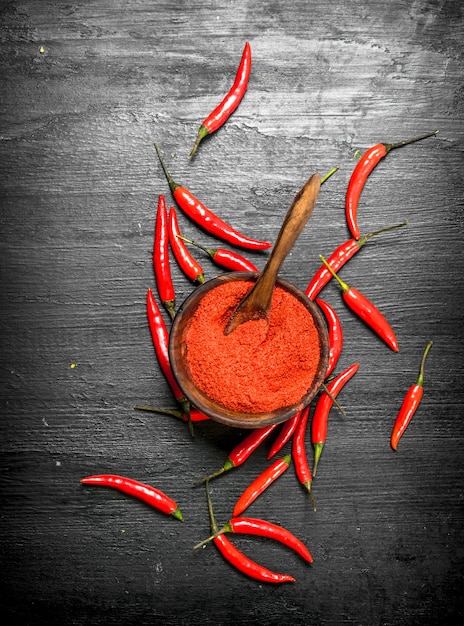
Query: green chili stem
(344,286)
(329,174)
(405,142)
(420,380)
(172,184)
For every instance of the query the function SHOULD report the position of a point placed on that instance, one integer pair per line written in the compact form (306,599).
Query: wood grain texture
(79,186)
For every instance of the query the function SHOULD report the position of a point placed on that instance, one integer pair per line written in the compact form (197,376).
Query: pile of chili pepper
(302,438)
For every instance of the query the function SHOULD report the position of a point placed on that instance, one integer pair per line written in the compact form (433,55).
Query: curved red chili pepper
(366,310)
(194,414)
(188,264)
(410,403)
(358,178)
(150,495)
(261,483)
(161,263)
(242,451)
(343,253)
(228,259)
(299,455)
(335,334)
(227,106)
(285,434)
(205,218)
(321,412)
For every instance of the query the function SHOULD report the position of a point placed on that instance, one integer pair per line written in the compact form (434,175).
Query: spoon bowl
(178,353)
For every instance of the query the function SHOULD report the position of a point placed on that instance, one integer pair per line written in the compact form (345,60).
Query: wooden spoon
(255,305)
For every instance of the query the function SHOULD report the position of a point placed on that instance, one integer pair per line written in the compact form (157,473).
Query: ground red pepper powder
(259,367)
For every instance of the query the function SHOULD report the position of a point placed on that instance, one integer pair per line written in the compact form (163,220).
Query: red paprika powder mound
(260,366)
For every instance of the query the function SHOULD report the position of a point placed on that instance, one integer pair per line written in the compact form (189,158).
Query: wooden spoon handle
(257,302)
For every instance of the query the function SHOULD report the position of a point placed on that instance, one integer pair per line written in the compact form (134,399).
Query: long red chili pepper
(343,253)
(322,410)
(239,560)
(160,337)
(161,263)
(261,483)
(228,259)
(366,310)
(194,414)
(188,264)
(358,178)
(242,451)
(410,403)
(335,334)
(150,495)
(284,435)
(300,456)
(230,102)
(205,218)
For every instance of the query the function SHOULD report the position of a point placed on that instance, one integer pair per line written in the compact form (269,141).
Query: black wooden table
(87,87)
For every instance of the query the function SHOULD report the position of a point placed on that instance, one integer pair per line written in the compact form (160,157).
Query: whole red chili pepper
(228,259)
(161,264)
(188,264)
(335,334)
(285,434)
(150,495)
(410,403)
(261,483)
(194,414)
(367,311)
(239,560)
(343,253)
(160,337)
(321,412)
(205,218)
(299,455)
(242,451)
(358,178)
(230,102)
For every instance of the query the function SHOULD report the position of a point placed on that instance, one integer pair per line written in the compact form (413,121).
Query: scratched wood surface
(87,86)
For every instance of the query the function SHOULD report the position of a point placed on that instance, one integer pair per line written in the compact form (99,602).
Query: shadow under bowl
(216,411)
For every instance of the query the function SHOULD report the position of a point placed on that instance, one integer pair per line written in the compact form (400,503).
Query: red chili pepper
(228,259)
(285,434)
(358,178)
(242,451)
(194,414)
(188,264)
(161,259)
(261,483)
(410,403)
(367,311)
(321,412)
(343,253)
(239,560)
(205,218)
(335,334)
(299,455)
(150,495)
(230,102)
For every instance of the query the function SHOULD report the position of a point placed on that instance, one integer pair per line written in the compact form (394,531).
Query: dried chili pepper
(149,495)
(343,253)
(188,264)
(299,455)
(230,102)
(161,263)
(205,218)
(239,560)
(242,451)
(358,178)
(228,259)
(285,434)
(335,334)
(410,403)
(261,483)
(194,414)
(160,337)
(366,310)
(321,412)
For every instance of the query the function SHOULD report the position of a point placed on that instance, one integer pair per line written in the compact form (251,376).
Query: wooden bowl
(218,412)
